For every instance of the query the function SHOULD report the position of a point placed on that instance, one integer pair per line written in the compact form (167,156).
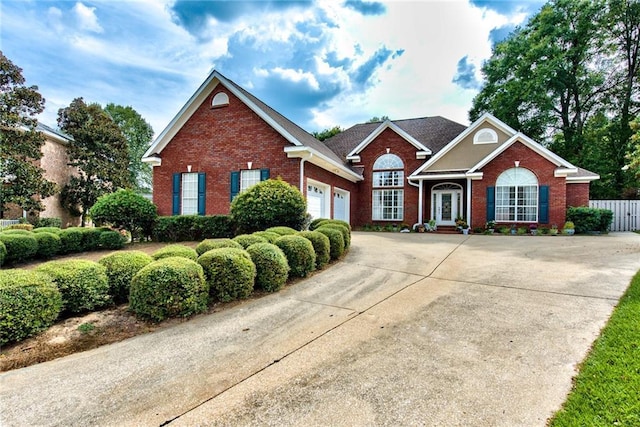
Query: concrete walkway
(411,329)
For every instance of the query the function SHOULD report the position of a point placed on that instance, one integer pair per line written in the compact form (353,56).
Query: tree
(21,178)
(139,134)
(376,119)
(327,133)
(98,150)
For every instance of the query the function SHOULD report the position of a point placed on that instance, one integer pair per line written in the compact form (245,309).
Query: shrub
(125,209)
(48,222)
(90,238)
(168,287)
(300,254)
(111,240)
(316,223)
(120,269)
(272,267)
(346,232)
(336,241)
(21,226)
(282,230)
(176,250)
(29,303)
(269,203)
(247,240)
(17,231)
(270,236)
(230,273)
(590,219)
(54,230)
(208,244)
(3,253)
(322,221)
(19,247)
(83,284)
(48,244)
(71,239)
(321,246)
(181,228)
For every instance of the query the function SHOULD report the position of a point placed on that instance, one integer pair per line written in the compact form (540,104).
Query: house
(224,140)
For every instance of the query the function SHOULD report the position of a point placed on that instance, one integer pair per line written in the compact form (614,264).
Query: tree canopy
(327,133)
(21,178)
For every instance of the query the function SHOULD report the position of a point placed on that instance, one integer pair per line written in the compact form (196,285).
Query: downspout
(302,160)
(469,201)
(419,185)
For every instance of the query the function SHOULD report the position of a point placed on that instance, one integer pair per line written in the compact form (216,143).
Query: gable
(385,127)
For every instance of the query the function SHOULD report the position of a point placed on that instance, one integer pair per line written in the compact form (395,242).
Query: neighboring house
(404,171)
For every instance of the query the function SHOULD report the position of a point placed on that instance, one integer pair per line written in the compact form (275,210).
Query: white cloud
(87,19)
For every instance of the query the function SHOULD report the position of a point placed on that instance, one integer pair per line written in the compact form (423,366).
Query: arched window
(220,99)
(388,192)
(485,136)
(517,196)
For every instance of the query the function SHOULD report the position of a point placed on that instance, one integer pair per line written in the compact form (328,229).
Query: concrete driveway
(410,329)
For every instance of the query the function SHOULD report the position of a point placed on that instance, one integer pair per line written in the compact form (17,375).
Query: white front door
(446,206)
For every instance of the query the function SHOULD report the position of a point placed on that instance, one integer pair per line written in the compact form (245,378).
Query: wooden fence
(7,222)
(626,213)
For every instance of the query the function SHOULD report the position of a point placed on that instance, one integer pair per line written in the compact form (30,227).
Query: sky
(319,63)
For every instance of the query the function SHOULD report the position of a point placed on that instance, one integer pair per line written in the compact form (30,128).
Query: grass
(606,392)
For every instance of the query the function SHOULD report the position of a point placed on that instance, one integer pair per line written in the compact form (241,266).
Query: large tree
(99,151)
(21,178)
(138,133)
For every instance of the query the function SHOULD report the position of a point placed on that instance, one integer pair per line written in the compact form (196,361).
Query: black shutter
(543,204)
(202,193)
(177,177)
(235,184)
(491,203)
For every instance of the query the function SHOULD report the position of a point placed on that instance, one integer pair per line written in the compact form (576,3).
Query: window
(485,136)
(189,194)
(388,193)
(220,99)
(241,180)
(517,196)
(249,178)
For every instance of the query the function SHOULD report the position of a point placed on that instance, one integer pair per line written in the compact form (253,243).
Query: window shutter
(235,184)
(264,174)
(491,203)
(543,204)
(202,193)
(176,193)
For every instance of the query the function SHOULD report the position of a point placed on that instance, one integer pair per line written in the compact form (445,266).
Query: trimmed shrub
(48,222)
(267,204)
(169,287)
(21,226)
(48,244)
(590,219)
(125,209)
(182,228)
(272,267)
(282,230)
(322,221)
(120,269)
(346,232)
(336,241)
(90,238)
(300,254)
(316,223)
(71,239)
(54,230)
(19,247)
(270,236)
(247,240)
(230,273)
(181,251)
(29,303)
(84,284)
(17,232)
(111,240)
(208,244)
(321,246)
(3,253)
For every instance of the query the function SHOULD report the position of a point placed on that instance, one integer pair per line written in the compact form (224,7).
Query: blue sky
(320,63)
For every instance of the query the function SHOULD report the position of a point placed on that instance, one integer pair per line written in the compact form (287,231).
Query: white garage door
(316,205)
(341,205)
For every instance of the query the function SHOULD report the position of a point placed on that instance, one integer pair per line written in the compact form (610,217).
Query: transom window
(485,136)
(248,178)
(388,192)
(189,193)
(517,196)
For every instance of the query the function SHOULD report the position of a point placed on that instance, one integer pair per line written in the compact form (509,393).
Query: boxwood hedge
(300,254)
(272,267)
(120,269)
(321,246)
(20,247)
(169,287)
(346,232)
(3,253)
(282,230)
(29,303)
(48,244)
(230,273)
(247,240)
(336,241)
(111,240)
(54,230)
(175,250)
(270,236)
(71,239)
(208,244)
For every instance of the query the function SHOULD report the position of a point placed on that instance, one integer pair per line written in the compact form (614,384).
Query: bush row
(590,219)
(191,228)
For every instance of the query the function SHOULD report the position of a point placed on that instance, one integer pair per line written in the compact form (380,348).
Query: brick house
(403,171)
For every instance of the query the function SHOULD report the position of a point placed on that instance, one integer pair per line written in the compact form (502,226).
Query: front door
(446,206)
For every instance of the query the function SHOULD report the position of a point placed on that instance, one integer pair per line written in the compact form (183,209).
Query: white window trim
(494,136)
(399,209)
(183,187)
(253,181)
(516,186)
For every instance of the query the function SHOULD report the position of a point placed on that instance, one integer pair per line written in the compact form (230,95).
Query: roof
(54,134)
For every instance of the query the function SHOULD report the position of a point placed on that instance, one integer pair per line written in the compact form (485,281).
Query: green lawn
(606,391)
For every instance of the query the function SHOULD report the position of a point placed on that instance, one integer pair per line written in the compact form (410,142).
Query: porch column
(420,185)
(469,202)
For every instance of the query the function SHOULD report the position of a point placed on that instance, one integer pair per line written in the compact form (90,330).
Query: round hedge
(270,236)
(230,273)
(321,246)
(111,240)
(17,231)
(272,267)
(175,251)
(247,240)
(208,244)
(3,253)
(49,244)
(336,241)
(54,230)
(346,233)
(120,269)
(169,287)
(71,239)
(300,254)
(29,303)
(84,284)
(316,223)
(19,247)
(90,238)
(282,230)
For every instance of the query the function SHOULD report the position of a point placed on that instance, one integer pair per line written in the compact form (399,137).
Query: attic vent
(485,136)
(221,99)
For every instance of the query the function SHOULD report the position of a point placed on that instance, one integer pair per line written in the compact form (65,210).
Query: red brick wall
(542,168)
(314,172)
(218,141)
(407,152)
(577,195)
